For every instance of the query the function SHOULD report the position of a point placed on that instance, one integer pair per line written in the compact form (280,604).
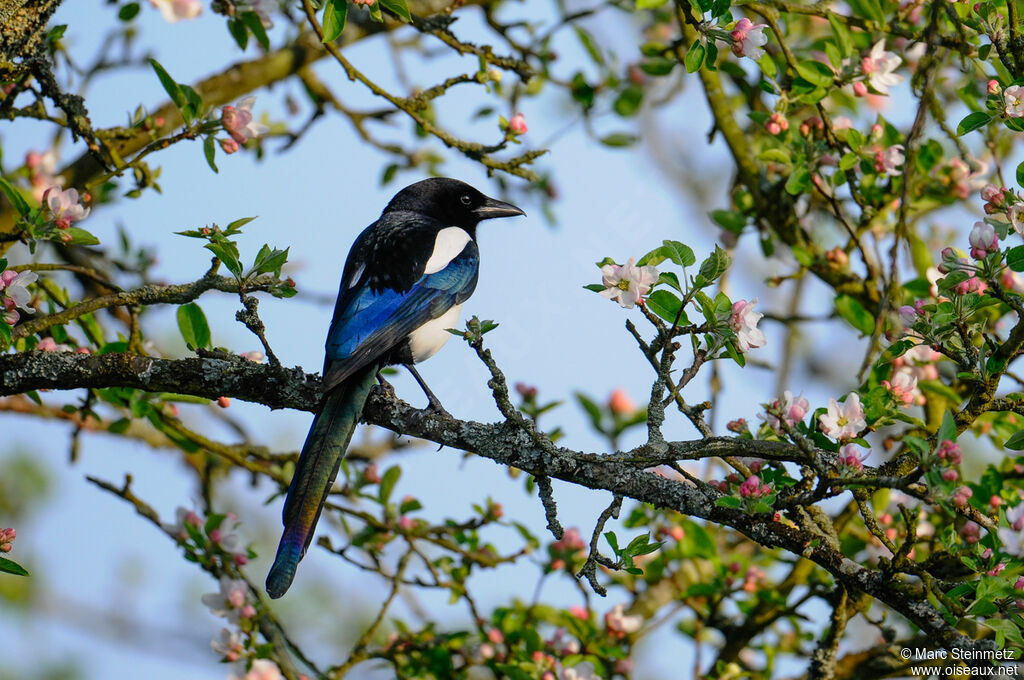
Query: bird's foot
(389,389)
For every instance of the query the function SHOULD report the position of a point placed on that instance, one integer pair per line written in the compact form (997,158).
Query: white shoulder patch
(449,243)
(355,277)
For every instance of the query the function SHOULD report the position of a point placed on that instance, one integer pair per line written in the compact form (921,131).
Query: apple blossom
(619,624)
(176,10)
(860,89)
(743,322)
(571,541)
(990,193)
(1014,101)
(851,457)
(776,124)
(791,410)
(627,283)
(843,421)
(890,160)
(880,66)
(50,345)
(64,206)
(903,386)
(231,602)
(581,671)
(237,121)
(753,488)
(7,537)
(261,669)
(1012,538)
(993,87)
(229,145)
(972,284)
(517,124)
(1016,218)
(739,425)
(748,39)
(42,169)
(229,645)
(962,496)
(984,240)
(15,287)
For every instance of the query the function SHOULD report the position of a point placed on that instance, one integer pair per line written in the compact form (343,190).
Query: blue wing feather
(371,323)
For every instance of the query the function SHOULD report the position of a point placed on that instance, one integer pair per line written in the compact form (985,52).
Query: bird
(403,284)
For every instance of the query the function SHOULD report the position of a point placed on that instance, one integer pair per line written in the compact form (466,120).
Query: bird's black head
(450,201)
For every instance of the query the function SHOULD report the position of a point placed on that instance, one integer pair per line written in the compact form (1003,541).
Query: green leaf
(854,312)
(799,180)
(972,122)
(590,46)
(1015,258)
(270,260)
(82,237)
(666,305)
(387,483)
(1020,174)
(612,541)
(15,197)
(619,139)
(227,252)
(649,4)
(238,31)
(210,152)
(128,12)
(255,24)
(193,326)
(9,567)
(680,253)
(714,266)
(628,102)
(398,8)
(947,430)
(841,32)
(728,502)
(172,88)
(119,426)
(695,57)
(335,12)
(733,222)
(816,73)
(596,287)
(658,66)
(1016,442)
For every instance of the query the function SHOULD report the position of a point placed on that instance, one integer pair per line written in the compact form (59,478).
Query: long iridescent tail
(325,447)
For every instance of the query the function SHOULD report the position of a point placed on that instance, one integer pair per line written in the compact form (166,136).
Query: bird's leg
(385,385)
(434,403)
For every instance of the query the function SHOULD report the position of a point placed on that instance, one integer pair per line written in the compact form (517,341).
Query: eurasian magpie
(404,282)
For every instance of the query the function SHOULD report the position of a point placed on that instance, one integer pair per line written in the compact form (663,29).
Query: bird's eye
(466,200)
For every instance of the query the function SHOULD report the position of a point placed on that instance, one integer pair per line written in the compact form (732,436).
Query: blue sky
(96,561)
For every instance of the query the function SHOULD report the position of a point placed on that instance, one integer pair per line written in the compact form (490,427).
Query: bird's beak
(494,208)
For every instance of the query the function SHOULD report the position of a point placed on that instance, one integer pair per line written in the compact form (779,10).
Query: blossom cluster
(15,295)
(7,537)
(215,539)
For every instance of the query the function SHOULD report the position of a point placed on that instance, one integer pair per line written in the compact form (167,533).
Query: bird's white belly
(425,341)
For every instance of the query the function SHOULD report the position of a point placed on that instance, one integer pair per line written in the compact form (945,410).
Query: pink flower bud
(620,404)
(860,89)
(223,402)
(950,476)
(993,87)
(228,145)
(517,124)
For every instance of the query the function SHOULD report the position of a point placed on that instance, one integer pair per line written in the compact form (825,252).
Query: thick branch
(505,443)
